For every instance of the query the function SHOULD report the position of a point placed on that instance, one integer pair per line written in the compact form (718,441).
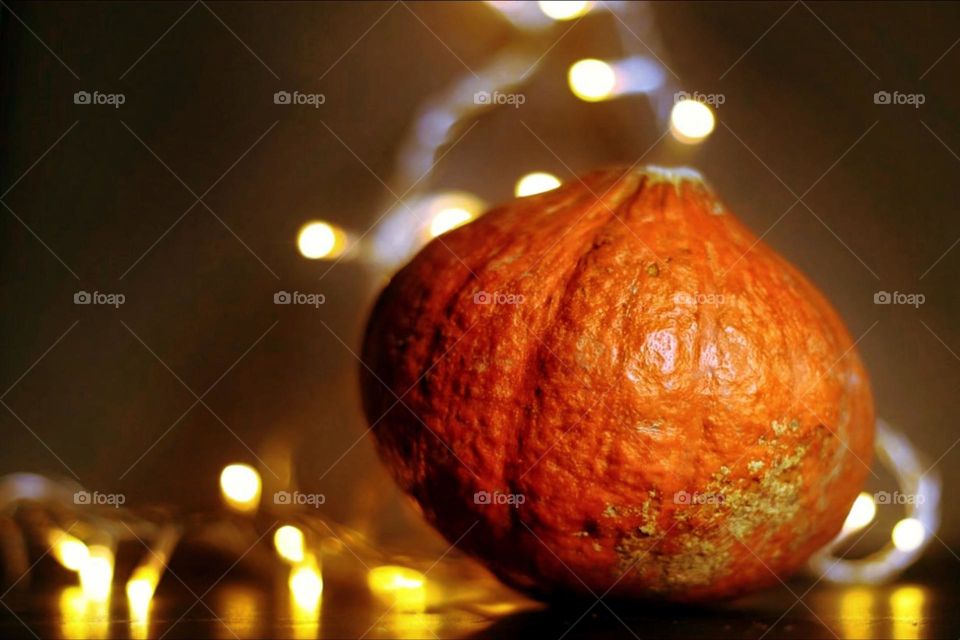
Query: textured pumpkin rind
(684,414)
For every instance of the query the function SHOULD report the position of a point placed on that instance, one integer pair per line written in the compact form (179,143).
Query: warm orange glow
(306,584)
(449,219)
(448,210)
(240,487)
(534,183)
(861,514)
(82,618)
(691,121)
(401,587)
(856,612)
(321,240)
(68,550)
(908,534)
(592,80)
(289,542)
(96,574)
(907,604)
(565,9)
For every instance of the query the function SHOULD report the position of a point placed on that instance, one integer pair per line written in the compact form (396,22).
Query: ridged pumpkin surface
(657,404)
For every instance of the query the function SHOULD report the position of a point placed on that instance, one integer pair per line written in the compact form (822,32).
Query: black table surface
(923,604)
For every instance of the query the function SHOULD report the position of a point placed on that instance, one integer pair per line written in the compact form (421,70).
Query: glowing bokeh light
(592,80)
(862,512)
(449,219)
(240,607)
(306,584)
(856,612)
(565,10)
(141,587)
(80,617)
(68,550)
(288,540)
(907,604)
(403,588)
(908,534)
(318,240)
(240,487)
(534,183)
(96,574)
(691,121)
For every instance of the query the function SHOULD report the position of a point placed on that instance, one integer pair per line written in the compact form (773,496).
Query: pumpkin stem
(673,175)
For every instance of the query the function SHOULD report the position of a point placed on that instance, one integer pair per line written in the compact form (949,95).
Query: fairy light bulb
(449,219)
(592,80)
(68,550)
(908,534)
(861,514)
(289,542)
(142,584)
(534,183)
(321,240)
(96,574)
(140,589)
(306,583)
(691,121)
(568,10)
(240,487)
(448,210)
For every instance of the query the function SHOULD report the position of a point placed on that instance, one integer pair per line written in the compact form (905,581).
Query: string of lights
(83,538)
(918,493)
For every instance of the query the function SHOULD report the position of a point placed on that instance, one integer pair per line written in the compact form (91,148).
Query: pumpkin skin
(683,413)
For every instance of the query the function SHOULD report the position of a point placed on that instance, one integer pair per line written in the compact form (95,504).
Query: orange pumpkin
(616,388)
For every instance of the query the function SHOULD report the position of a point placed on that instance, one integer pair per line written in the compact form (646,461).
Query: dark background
(98,211)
